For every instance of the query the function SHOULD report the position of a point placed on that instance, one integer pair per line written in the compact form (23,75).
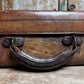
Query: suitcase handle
(45,64)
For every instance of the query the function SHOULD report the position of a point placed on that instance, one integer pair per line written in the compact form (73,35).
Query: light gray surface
(67,75)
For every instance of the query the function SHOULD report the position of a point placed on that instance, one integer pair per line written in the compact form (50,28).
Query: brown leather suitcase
(41,40)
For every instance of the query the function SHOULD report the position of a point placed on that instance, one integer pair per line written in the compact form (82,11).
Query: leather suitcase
(41,40)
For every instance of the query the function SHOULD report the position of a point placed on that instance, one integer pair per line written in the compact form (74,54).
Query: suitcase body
(41,40)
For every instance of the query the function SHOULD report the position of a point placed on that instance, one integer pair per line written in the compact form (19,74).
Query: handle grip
(44,63)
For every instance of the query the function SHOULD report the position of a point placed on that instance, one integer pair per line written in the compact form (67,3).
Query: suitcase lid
(41,22)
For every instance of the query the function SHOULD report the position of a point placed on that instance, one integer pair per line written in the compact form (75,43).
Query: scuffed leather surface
(19,22)
(7,60)
(6,57)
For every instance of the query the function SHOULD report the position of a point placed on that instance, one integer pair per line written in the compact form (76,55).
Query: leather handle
(43,64)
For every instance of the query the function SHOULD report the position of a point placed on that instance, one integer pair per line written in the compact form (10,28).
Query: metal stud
(6,42)
(67,41)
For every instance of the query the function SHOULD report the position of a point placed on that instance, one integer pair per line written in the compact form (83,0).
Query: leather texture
(41,28)
(45,22)
(42,48)
(39,62)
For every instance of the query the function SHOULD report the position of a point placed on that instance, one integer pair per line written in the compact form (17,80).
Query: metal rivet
(79,41)
(71,8)
(6,43)
(67,41)
(19,42)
